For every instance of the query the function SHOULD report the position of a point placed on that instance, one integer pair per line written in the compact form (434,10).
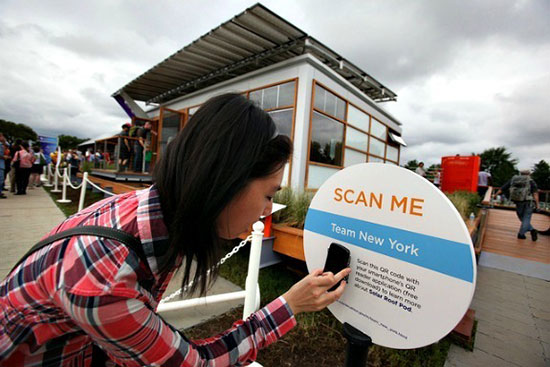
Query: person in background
(148,144)
(125,149)
(139,148)
(3,159)
(74,163)
(484,180)
(14,149)
(23,161)
(524,193)
(88,298)
(36,170)
(420,170)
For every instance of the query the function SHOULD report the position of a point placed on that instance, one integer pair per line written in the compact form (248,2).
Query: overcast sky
(468,75)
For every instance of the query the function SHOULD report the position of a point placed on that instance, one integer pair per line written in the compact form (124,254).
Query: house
(328,106)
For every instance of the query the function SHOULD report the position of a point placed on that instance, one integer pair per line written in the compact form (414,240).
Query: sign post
(413,264)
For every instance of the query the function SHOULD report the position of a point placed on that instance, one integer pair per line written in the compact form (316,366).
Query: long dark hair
(226,144)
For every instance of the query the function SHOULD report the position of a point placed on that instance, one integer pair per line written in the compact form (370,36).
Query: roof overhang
(250,41)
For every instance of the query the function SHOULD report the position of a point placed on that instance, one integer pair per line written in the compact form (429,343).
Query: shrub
(86,166)
(297,204)
(465,202)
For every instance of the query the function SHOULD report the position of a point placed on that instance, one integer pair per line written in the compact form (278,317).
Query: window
(278,96)
(326,140)
(329,103)
(376,147)
(278,100)
(378,129)
(356,139)
(317,175)
(170,127)
(358,118)
(332,120)
(283,121)
(354,157)
(392,153)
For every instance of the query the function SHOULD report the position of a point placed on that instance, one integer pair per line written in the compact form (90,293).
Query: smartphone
(337,259)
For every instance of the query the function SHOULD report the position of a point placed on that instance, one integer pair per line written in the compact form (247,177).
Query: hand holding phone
(338,258)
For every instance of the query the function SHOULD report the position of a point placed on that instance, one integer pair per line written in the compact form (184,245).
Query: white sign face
(413,264)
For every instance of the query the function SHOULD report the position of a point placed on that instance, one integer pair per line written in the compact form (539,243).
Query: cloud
(469,76)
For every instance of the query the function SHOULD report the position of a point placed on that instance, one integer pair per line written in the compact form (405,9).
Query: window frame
(345,122)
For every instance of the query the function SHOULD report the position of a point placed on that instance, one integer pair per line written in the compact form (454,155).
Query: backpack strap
(98,231)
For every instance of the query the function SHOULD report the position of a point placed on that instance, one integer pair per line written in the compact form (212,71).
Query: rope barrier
(74,188)
(223,259)
(99,188)
(57,172)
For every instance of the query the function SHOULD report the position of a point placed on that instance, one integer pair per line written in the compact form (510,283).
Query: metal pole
(64,195)
(83,191)
(358,346)
(250,301)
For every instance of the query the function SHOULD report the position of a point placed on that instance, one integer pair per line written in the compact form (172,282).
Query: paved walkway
(513,314)
(24,219)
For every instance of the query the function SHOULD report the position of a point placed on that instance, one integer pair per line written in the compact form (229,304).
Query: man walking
(524,193)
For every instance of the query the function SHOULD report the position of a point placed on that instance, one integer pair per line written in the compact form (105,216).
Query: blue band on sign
(434,253)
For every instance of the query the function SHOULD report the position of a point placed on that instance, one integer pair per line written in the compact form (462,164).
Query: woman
(215,179)
(37,167)
(23,161)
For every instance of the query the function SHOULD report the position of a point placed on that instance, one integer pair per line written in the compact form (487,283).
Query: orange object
(459,173)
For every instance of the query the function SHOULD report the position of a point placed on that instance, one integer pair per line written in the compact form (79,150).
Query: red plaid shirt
(86,290)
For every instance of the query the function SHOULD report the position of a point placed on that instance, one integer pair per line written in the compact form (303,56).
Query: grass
(74,195)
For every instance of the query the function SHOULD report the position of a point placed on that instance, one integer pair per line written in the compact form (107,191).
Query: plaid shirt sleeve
(132,334)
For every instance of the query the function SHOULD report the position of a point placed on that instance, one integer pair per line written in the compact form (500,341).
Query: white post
(43,176)
(252,296)
(55,181)
(83,191)
(64,195)
(69,172)
(49,175)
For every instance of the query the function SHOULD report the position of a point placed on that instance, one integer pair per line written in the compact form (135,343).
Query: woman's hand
(310,293)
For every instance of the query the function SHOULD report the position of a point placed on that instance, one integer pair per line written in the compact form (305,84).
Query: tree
(69,141)
(412,164)
(13,131)
(499,163)
(541,175)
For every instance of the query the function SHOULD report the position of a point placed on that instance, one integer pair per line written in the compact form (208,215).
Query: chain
(223,259)
(235,250)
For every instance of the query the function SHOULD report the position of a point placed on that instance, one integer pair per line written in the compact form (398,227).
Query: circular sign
(413,264)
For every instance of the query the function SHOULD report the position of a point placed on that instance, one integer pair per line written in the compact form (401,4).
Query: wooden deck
(501,237)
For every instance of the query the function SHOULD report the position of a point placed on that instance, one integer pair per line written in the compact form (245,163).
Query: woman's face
(255,200)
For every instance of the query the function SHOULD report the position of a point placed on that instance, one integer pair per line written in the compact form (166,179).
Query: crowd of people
(22,164)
